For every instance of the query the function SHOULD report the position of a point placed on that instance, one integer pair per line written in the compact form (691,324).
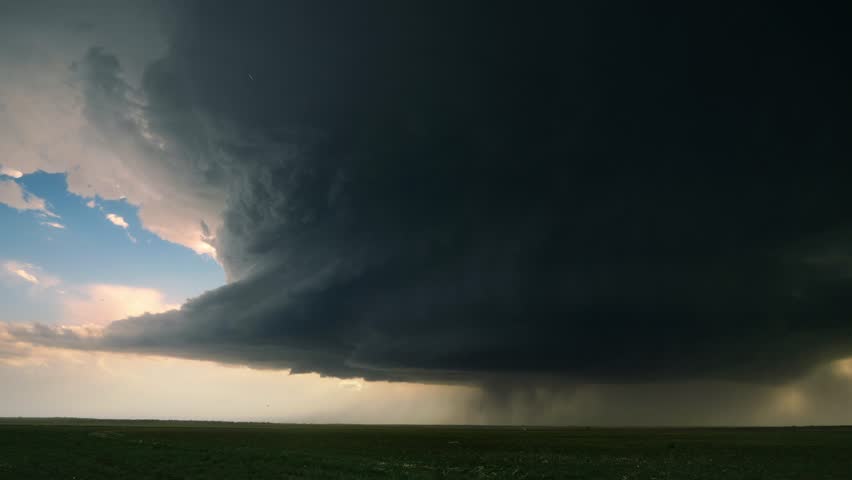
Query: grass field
(79,449)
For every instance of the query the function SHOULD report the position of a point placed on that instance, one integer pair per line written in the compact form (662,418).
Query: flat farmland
(83,449)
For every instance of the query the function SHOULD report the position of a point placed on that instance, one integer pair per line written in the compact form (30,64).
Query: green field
(79,449)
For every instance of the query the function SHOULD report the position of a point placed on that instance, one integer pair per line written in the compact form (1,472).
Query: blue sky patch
(91,249)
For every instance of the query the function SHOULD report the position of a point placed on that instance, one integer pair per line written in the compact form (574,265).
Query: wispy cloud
(117,220)
(21,273)
(29,273)
(53,225)
(91,204)
(13,195)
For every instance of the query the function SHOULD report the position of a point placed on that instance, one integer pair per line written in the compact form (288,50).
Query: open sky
(426,212)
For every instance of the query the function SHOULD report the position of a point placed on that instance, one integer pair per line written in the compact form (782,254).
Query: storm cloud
(486,191)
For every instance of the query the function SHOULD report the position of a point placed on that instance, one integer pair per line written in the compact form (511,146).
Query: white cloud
(100,304)
(21,273)
(10,172)
(26,272)
(89,305)
(117,220)
(54,225)
(13,195)
(91,204)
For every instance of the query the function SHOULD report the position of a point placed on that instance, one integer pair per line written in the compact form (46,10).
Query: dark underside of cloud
(473,191)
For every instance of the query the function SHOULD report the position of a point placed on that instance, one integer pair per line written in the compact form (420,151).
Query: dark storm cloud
(488,190)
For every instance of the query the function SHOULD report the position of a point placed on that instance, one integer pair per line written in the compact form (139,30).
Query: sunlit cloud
(103,303)
(10,172)
(91,204)
(54,225)
(50,131)
(20,271)
(117,220)
(204,248)
(28,274)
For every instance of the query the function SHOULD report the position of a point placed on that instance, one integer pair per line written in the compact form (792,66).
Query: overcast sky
(426,212)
